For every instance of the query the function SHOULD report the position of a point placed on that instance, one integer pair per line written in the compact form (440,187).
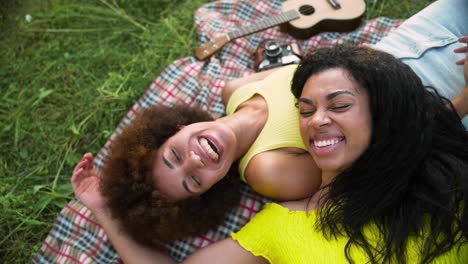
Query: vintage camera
(271,54)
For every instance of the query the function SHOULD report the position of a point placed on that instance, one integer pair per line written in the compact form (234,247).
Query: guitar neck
(207,49)
(264,24)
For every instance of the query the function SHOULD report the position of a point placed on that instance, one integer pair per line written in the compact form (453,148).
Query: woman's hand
(465,60)
(85,182)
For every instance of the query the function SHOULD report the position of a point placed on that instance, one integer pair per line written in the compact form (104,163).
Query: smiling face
(194,159)
(335,120)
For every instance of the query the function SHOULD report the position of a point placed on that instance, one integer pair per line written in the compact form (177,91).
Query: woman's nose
(192,162)
(320,119)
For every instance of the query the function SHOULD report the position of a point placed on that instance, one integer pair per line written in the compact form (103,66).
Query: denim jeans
(426,41)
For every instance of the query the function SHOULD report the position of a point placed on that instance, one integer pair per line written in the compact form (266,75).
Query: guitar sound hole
(306,10)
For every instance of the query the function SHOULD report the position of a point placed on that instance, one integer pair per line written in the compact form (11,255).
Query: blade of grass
(123,14)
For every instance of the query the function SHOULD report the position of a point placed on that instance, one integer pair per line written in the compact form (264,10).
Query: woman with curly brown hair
(146,207)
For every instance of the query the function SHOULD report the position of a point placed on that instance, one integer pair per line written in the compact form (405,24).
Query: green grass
(67,77)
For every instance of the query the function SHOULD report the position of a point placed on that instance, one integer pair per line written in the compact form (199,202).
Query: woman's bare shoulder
(283,174)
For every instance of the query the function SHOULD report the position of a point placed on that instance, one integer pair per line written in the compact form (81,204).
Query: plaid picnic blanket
(76,236)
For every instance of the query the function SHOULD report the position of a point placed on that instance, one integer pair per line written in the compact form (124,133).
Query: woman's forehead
(332,80)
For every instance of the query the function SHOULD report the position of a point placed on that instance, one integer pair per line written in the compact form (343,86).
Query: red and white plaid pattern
(76,237)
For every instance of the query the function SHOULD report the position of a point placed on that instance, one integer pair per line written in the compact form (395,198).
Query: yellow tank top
(283,236)
(282,126)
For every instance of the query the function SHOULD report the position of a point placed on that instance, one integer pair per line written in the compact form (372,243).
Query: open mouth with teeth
(328,142)
(210,148)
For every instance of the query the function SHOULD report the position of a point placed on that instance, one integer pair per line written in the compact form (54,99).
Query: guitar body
(319,15)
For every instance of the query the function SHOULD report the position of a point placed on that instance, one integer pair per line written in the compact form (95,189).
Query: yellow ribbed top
(283,236)
(282,126)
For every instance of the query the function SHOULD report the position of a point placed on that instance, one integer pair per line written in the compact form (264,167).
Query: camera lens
(272,49)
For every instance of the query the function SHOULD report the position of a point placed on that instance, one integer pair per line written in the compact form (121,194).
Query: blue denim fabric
(426,41)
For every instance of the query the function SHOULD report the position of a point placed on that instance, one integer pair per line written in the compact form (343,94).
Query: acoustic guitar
(300,18)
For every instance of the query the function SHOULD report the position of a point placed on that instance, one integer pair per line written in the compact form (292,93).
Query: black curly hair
(413,177)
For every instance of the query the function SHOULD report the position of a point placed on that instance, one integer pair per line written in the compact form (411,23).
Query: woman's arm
(86,182)
(226,251)
(128,250)
(460,102)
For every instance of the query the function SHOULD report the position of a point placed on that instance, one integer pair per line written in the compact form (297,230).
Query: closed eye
(167,162)
(306,107)
(194,183)
(176,155)
(184,184)
(340,107)
(306,113)
(196,180)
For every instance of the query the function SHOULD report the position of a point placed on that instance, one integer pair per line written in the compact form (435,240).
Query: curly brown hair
(144,213)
